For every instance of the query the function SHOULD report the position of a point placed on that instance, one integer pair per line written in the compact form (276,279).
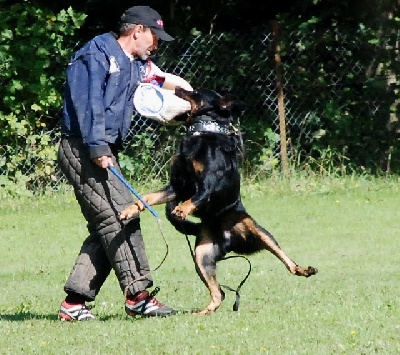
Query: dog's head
(209,103)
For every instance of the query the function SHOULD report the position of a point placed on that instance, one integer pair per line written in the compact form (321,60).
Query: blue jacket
(98,105)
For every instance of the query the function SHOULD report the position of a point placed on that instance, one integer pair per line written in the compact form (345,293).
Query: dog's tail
(182,226)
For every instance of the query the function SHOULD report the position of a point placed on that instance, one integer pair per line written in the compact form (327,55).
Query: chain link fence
(318,76)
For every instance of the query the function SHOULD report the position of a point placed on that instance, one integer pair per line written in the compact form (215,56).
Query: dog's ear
(231,102)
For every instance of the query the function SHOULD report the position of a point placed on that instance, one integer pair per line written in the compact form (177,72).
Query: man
(102,78)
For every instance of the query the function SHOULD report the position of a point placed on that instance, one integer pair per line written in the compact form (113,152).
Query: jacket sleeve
(87,79)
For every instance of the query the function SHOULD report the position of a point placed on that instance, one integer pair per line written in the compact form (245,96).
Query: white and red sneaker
(144,303)
(74,311)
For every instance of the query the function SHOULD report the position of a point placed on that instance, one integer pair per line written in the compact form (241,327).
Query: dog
(205,183)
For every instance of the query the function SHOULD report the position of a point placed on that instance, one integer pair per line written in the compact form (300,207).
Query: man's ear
(137,30)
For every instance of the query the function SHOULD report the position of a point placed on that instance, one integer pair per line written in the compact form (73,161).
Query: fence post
(280,97)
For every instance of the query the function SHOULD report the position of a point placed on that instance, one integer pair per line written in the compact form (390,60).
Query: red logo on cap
(160,23)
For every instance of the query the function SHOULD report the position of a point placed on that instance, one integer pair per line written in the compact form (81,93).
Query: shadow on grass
(24,316)
(139,317)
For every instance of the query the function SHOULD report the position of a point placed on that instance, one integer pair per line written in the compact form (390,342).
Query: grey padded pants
(111,244)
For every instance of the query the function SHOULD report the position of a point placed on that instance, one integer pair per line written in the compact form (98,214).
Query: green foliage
(260,154)
(340,76)
(35,45)
(328,163)
(136,159)
(358,112)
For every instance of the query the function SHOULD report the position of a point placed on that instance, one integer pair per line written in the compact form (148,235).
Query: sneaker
(74,311)
(143,303)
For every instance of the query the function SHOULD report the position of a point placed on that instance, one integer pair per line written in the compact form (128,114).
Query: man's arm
(165,80)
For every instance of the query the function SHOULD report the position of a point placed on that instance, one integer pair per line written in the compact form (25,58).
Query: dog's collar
(207,124)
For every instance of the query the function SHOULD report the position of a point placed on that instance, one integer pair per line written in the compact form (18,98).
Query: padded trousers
(111,244)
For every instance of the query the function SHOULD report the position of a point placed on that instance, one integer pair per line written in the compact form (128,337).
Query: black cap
(145,15)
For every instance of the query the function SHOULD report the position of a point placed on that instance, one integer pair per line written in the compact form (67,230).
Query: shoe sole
(67,318)
(136,314)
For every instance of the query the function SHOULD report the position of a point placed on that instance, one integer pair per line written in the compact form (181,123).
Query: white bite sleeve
(159,104)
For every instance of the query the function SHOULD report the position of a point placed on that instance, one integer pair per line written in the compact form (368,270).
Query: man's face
(146,43)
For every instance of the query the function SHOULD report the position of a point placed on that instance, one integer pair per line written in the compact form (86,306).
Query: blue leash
(131,189)
(154,213)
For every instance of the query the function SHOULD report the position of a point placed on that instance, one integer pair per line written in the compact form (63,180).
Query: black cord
(237,301)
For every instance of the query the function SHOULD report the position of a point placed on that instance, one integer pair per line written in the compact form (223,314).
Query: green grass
(348,229)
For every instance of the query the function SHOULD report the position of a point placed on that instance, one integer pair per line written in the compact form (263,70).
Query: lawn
(348,229)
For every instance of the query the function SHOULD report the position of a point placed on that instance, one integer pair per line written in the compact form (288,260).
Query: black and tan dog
(205,183)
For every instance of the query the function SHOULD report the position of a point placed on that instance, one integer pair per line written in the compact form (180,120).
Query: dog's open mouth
(181,92)
(189,96)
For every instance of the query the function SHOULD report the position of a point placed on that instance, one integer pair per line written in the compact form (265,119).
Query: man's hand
(103,162)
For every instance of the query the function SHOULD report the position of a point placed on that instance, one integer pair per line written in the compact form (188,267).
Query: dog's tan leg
(154,198)
(189,206)
(270,244)
(184,210)
(205,256)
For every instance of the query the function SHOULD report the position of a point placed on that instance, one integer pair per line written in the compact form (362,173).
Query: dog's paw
(129,212)
(311,271)
(179,213)
(184,210)
(306,272)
